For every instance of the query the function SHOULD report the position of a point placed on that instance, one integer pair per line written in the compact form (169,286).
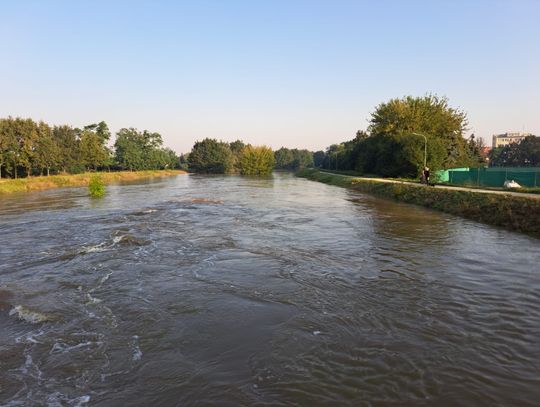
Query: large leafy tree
(47,154)
(211,156)
(135,150)
(8,145)
(19,139)
(129,149)
(395,122)
(65,138)
(93,153)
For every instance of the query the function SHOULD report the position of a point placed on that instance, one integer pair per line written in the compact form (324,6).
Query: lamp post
(425,147)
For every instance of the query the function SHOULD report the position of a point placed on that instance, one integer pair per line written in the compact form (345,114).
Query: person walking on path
(425,175)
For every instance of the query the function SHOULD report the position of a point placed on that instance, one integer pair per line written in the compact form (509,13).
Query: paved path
(479,190)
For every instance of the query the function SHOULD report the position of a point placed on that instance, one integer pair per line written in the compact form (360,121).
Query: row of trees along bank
(219,157)
(36,148)
(393,145)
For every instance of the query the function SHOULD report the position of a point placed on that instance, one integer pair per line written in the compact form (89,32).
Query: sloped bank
(515,213)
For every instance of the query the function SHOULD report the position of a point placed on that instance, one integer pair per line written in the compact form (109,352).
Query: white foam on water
(28,315)
(58,399)
(92,300)
(137,353)
(29,337)
(94,249)
(62,347)
(105,278)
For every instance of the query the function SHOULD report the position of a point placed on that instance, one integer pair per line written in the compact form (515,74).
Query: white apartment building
(501,140)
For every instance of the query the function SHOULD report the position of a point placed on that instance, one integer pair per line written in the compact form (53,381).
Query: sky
(299,74)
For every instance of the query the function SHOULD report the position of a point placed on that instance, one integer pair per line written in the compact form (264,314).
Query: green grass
(359,174)
(511,212)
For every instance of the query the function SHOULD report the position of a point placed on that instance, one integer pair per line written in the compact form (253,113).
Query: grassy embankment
(515,213)
(78,180)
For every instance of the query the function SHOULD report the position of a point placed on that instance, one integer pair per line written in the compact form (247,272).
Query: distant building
(501,140)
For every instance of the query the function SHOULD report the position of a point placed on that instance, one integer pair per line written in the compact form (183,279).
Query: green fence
(491,177)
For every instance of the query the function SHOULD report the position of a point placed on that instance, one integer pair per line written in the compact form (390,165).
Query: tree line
(219,157)
(401,134)
(37,148)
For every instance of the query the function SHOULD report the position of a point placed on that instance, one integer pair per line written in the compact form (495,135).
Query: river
(230,291)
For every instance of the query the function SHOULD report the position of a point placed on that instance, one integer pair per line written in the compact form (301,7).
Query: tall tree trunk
(15,171)
(48,171)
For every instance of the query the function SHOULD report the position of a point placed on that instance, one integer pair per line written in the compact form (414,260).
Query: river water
(231,291)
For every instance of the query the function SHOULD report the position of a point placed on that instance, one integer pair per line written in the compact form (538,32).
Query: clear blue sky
(292,73)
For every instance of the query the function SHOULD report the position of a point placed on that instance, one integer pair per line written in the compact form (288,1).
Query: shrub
(96,187)
(256,160)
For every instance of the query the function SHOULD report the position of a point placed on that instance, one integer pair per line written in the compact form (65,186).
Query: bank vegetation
(79,180)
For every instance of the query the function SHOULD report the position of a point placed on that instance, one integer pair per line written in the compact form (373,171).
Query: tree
(65,138)
(236,148)
(256,160)
(294,159)
(93,153)
(8,144)
(284,159)
(18,144)
(429,115)
(211,156)
(47,154)
(128,147)
(318,158)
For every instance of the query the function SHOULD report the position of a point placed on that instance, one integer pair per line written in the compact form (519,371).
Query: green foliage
(256,160)
(429,115)
(31,148)
(395,145)
(318,158)
(96,187)
(211,156)
(293,159)
(523,154)
(135,151)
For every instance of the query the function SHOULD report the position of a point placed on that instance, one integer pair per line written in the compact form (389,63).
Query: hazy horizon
(296,74)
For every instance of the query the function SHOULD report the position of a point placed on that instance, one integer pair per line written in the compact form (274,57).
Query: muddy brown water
(231,291)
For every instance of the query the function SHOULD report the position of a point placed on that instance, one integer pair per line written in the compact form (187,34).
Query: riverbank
(78,180)
(518,213)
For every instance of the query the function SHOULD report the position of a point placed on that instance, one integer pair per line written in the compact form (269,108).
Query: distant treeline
(219,157)
(526,153)
(401,135)
(37,148)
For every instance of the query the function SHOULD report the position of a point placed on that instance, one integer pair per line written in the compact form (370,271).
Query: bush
(211,156)
(96,187)
(256,160)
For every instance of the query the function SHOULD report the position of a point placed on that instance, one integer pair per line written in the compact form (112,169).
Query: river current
(232,291)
